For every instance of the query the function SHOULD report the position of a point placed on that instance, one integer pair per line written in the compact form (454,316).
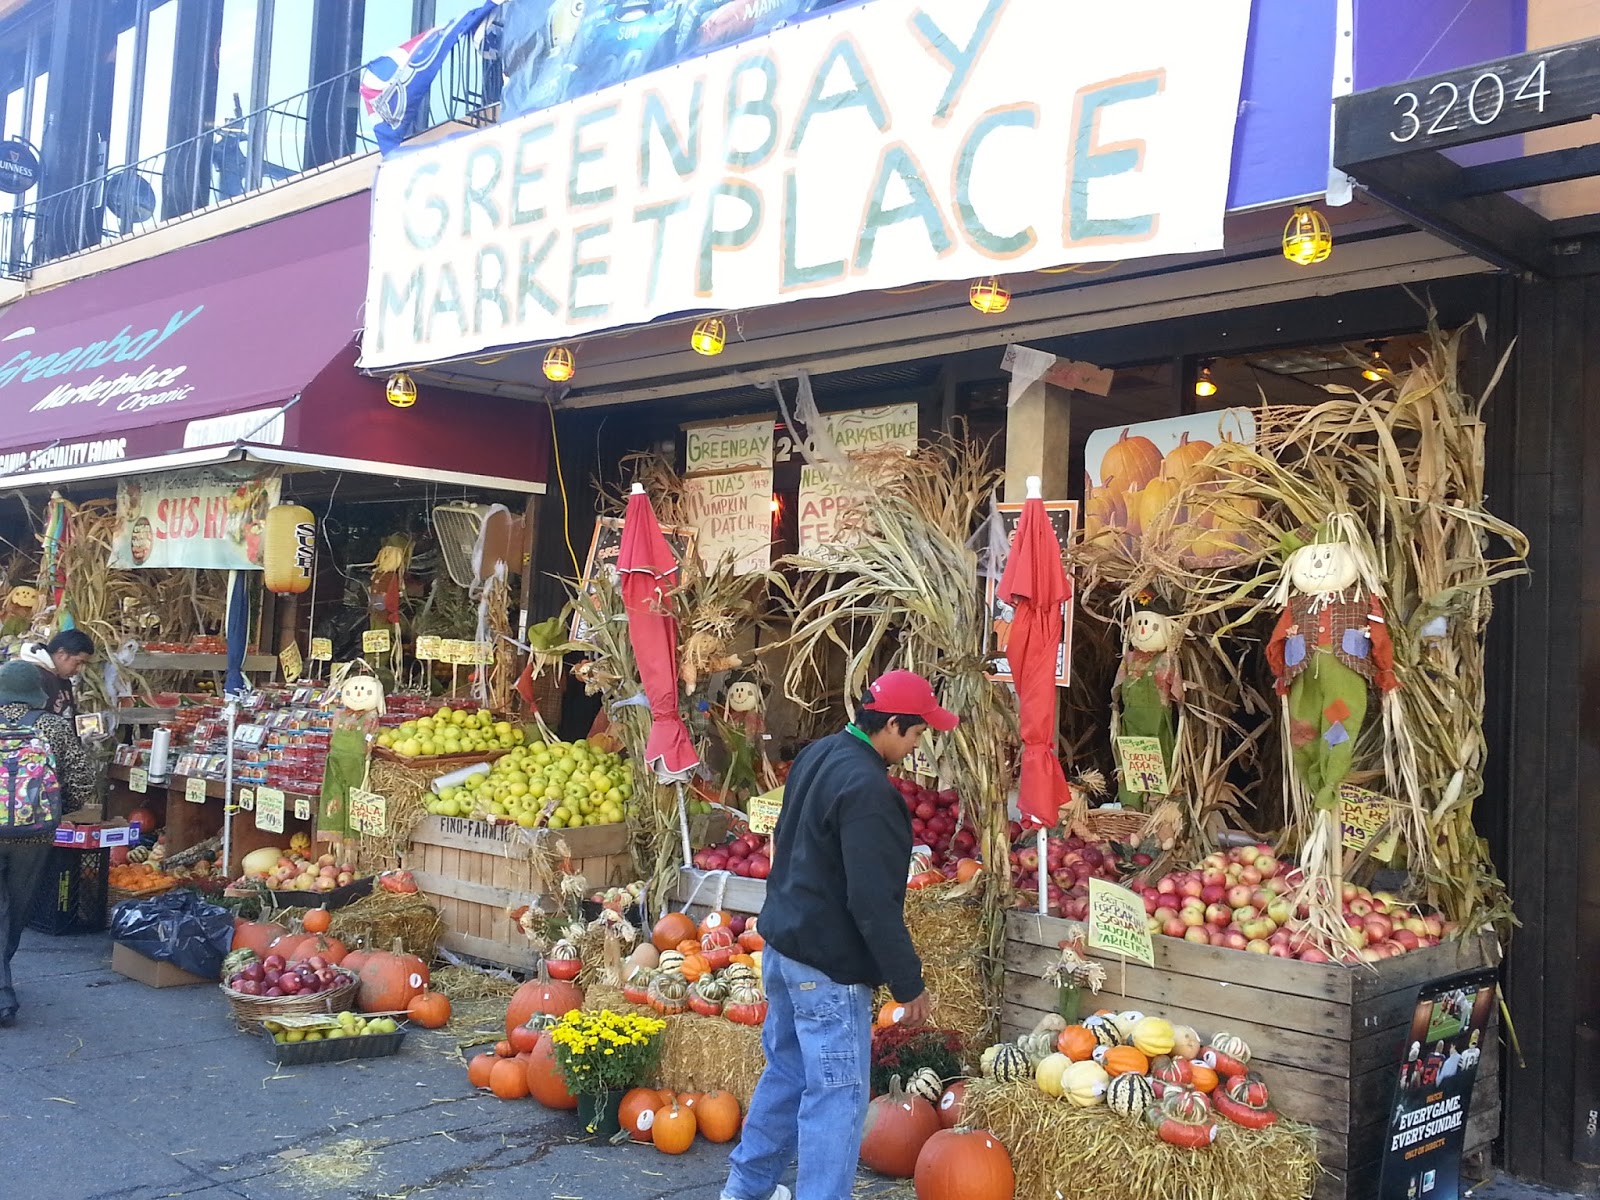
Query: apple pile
(293,872)
(748,855)
(1242,900)
(936,823)
(1070,862)
(272,977)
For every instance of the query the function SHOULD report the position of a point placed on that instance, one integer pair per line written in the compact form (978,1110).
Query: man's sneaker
(778,1193)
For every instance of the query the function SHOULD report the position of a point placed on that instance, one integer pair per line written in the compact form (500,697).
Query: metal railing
(254,152)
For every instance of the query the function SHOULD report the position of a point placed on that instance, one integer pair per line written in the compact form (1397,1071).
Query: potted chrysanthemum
(603,1054)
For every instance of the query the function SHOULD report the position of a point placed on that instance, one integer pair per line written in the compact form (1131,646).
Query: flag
(394,86)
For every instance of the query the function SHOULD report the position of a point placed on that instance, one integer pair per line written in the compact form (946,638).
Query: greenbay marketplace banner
(893,143)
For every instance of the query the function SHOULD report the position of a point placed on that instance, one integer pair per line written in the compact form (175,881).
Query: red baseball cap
(908,693)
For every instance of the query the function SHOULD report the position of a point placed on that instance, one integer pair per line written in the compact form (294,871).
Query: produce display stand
(474,872)
(702,891)
(1327,1039)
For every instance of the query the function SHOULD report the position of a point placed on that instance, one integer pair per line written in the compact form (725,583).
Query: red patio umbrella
(1035,585)
(648,569)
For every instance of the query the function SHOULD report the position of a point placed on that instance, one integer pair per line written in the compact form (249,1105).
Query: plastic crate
(300,1054)
(73,892)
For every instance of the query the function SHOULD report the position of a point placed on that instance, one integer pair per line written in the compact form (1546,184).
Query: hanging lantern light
(1307,238)
(989,296)
(401,390)
(1204,385)
(709,336)
(1373,371)
(558,364)
(288,549)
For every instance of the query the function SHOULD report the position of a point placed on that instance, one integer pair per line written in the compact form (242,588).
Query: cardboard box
(84,835)
(127,961)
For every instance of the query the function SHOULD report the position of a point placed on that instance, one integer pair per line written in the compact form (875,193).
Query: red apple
(1239,895)
(1279,950)
(1191,886)
(1219,915)
(1359,908)
(1167,886)
(1233,939)
(1258,946)
(1216,936)
(1312,955)
(1213,893)
(1193,916)
(1198,935)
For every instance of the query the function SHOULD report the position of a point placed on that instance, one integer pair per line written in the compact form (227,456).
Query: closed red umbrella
(649,570)
(1035,585)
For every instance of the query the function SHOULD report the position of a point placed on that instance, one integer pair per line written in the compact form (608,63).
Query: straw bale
(949,936)
(698,1054)
(1061,1152)
(406,789)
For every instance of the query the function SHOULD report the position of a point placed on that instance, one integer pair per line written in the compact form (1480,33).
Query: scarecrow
(21,604)
(1149,684)
(1330,645)
(355,724)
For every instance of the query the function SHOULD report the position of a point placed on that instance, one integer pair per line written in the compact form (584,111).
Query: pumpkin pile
(669,1121)
(141,879)
(1141,1068)
(701,969)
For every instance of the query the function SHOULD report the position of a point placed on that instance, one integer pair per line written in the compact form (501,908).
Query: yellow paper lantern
(989,296)
(559,365)
(1307,238)
(289,548)
(1204,385)
(401,391)
(709,336)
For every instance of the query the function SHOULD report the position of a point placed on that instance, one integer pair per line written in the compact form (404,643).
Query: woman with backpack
(44,774)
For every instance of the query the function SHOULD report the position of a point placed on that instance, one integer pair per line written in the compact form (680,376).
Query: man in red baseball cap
(834,924)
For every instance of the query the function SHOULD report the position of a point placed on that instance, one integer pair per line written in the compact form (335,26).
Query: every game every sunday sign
(885,145)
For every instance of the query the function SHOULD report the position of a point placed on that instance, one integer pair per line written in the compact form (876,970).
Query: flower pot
(599,1113)
(1069,1003)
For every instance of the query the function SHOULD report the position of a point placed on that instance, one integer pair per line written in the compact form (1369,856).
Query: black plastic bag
(176,927)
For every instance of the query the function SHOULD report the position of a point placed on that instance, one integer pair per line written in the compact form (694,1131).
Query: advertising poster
(732,517)
(827,496)
(1433,1093)
(1136,472)
(1064,517)
(207,519)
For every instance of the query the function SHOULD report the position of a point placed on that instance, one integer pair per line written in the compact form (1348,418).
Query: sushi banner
(207,519)
(1433,1095)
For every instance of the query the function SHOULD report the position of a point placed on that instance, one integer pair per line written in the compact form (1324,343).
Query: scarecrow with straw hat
(1149,684)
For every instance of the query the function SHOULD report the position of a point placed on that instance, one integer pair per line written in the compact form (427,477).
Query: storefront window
(236,60)
(289,69)
(386,24)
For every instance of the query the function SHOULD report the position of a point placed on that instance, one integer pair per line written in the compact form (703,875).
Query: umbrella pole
(683,827)
(1044,900)
(232,711)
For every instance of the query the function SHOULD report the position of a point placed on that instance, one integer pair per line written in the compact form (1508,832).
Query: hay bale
(949,937)
(405,789)
(698,1054)
(1064,1153)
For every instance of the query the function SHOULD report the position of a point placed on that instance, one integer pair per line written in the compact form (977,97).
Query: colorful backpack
(30,789)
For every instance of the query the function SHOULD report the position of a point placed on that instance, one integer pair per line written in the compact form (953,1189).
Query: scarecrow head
(1328,561)
(362,694)
(1152,628)
(22,600)
(743,695)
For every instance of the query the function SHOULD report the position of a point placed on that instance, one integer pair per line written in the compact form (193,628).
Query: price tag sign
(247,799)
(1361,815)
(1144,767)
(269,810)
(1117,922)
(321,650)
(375,641)
(138,780)
(483,654)
(289,659)
(302,808)
(764,812)
(369,812)
(194,790)
(455,652)
(429,647)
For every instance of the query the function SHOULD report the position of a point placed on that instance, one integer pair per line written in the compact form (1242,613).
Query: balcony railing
(252,153)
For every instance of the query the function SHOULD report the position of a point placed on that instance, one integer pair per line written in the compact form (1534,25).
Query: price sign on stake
(138,780)
(289,659)
(302,808)
(428,647)
(369,812)
(1361,815)
(1117,922)
(1144,767)
(269,810)
(194,790)
(321,650)
(764,812)
(375,641)
(247,800)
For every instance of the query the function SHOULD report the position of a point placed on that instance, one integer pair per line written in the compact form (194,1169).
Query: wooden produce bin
(474,872)
(702,891)
(1327,1040)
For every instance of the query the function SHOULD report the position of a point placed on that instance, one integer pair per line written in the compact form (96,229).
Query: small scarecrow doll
(17,617)
(1329,647)
(1149,685)
(355,723)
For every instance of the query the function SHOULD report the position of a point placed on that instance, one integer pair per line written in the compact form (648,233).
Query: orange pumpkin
(431,1010)
(638,1112)
(717,1115)
(508,1079)
(690,1099)
(1129,463)
(542,995)
(478,1069)
(891,1013)
(694,966)
(673,1129)
(546,1084)
(286,945)
(257,936)
(389,979)
(688,946)
(1182,463)
(1077,1043)
(746,959)
(967,869)
(715,919)
(318,920)
(1205,1079)
(330,949)
(1124,1060)
(504,1049)
(672,929)
(750,941)
(523,1038)
(957,1164)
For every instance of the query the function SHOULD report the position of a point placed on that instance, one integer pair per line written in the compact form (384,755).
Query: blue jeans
(813,1094)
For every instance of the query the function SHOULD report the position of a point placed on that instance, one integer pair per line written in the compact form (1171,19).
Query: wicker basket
(250,1011)
(1117,825)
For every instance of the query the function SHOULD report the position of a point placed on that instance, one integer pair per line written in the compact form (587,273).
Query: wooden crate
(475,871)
(705,890)
(1327,1040)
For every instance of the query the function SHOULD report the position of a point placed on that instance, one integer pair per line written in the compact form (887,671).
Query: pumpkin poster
(1138,478)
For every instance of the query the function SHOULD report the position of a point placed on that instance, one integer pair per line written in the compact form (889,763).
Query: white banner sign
(732,516)
(734,446)
(890,144)
(206,519)
(826,496)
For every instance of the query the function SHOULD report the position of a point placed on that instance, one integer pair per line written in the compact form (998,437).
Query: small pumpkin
(898,1125)
(1203,1077)
(951,1103)
(1152,1037)
(925,1082)
(318,920)
(1185,1042)
(689,946)
(891,1013)
(694,966)
(673,1129)
(390,978)
(959,1164)
(1037,1046)
(750,941)
(563,961)
(329,949)
(1129,1095)
(1047,1075)
(1103,1029)
(671,929)
(1122,1060)
(1077,1043)
(1084,1084)
(478,1069)
(1010,1063)
(717,1116)
(637,1113)
(546,1084)
(541,995)
(523,1039)
(508,1079)
(504,1049)
(431,1010)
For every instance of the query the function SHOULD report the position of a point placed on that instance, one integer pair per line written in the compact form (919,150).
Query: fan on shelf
(473,537)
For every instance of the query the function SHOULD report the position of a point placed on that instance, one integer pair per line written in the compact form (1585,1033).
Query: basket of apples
(274,987)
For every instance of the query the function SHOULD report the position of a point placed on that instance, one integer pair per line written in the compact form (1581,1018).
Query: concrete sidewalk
(110,1090)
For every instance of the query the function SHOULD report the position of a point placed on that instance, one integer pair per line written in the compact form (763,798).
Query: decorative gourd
(694,966)
(898,1125)
(892,1013)
(523,1039)
(478,1069)
(750,941)
(1188,1135)
(1187,1105)
(1037,1046)
(644,955)
(1122,1060)
(1047,1075)
(716,919)
(1204,1078)
(1169,1072)
(925,1082)
(1051,1023)
(1244,1101)
(739,973)
(563,961)
(508,1079)
(1123,1023)
(706,996)
(950,1104)
(1128,463)
(672,929)
(637,1113)
(670,960)
(1104,1031)
(318,920)
(1153,1037)
(1228,1055)
(1010,1063)
(674,1128)
(959,1164)
(1084,1084)
(718,1116)
(637,989)
(1185,1042)
(746,1003)
(669,993)
(288,548)
(431,1010)
(542,995)
(546,1084)
(1077,1043)
(1129,1095)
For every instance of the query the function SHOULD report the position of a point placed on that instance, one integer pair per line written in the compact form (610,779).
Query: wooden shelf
(144,716)
(199,662)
